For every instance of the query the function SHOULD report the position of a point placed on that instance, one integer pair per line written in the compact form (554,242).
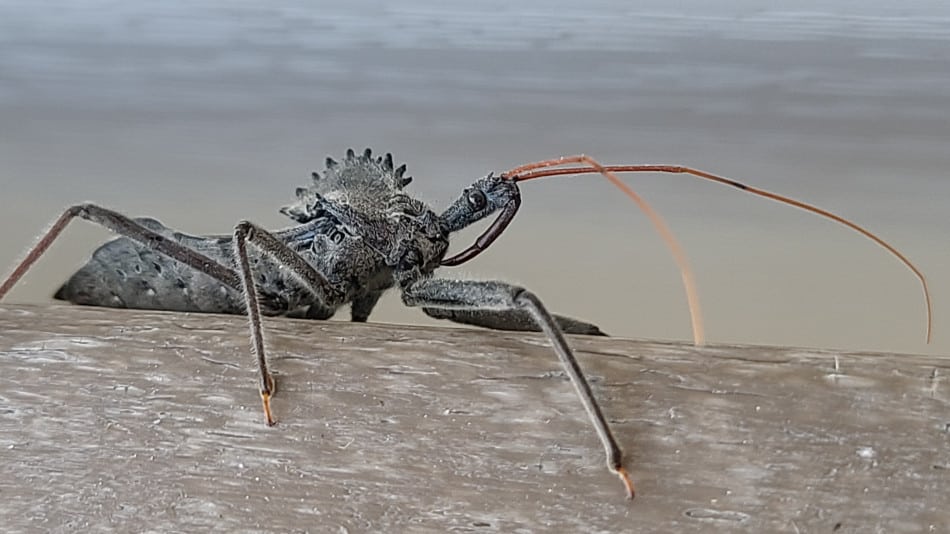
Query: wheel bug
(357,235)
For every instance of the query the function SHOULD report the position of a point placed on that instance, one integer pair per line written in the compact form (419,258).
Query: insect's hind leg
(440,293)
(311,279)
(127,227)
(514,320)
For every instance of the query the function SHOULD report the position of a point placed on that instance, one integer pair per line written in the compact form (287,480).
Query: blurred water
(203,113)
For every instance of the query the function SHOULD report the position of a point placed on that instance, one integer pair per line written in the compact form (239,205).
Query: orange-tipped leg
(266,393)
(628,484)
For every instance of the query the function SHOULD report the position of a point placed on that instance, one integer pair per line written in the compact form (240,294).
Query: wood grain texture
(150,422)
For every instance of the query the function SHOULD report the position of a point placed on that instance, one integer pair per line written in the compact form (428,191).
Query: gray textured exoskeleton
(357,235)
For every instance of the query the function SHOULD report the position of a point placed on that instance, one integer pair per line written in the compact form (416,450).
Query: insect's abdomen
(125,274)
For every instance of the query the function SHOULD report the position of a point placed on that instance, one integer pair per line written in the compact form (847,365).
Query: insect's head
(479,200)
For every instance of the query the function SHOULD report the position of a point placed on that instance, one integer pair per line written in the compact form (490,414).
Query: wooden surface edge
(150,421)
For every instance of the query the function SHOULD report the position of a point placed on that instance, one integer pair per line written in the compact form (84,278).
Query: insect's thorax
(360,206)
(350,240)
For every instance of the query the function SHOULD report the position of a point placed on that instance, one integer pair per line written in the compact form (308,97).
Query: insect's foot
(265,399)
(268,388)
(628,484)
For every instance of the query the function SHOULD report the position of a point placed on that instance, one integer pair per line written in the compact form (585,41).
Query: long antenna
(542,169)
(679,256)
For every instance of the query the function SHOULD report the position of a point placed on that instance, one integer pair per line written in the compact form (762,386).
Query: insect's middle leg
(363,305)
(312,280)
(479,296)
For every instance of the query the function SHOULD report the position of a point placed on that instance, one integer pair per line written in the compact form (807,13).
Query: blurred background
(204,113)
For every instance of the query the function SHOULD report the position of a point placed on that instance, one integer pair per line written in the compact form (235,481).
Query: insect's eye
(477,200)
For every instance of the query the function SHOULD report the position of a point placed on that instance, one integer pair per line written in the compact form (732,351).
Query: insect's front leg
(516,320)
(312,280)
(470,295)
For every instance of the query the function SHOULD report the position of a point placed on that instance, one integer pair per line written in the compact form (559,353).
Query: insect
(357,235)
